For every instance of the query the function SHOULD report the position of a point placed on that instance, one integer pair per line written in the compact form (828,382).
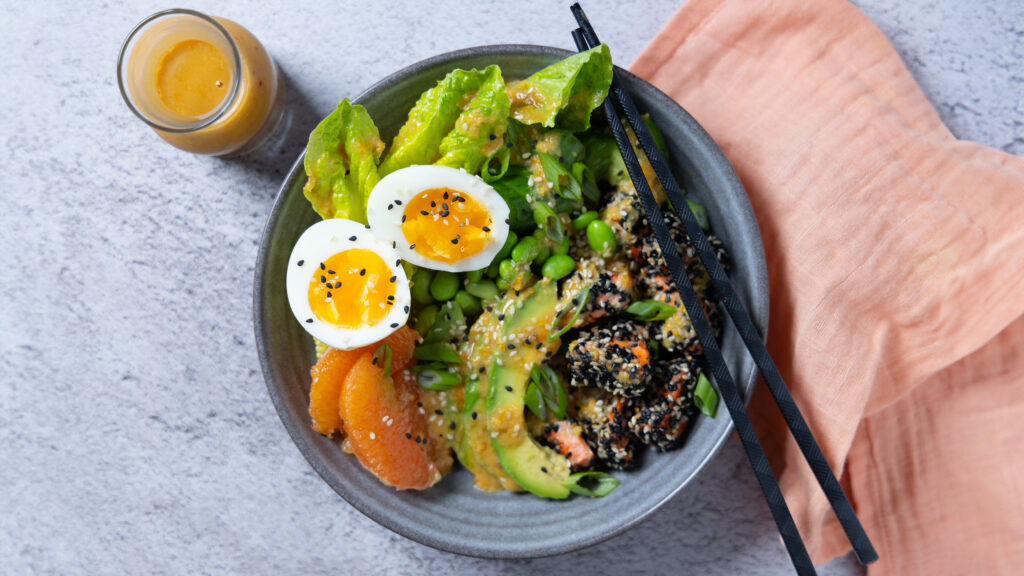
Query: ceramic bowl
(452,515)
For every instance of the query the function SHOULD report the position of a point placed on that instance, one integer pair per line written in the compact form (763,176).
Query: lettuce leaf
(479,131)
(431,119)
(565,93)
(341,163)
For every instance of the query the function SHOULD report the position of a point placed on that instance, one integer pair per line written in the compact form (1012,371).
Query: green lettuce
(479,130)
(341,163)
(565,93)
(431,119)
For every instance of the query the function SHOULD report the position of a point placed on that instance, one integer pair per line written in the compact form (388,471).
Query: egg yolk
(446,225)
(352,289)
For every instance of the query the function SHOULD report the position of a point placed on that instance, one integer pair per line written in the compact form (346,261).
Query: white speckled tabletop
(136,434)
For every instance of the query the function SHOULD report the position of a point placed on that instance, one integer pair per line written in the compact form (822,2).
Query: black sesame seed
(438,412)
(393,278)
(486,229)
(374,361)
(445,195)
(362,272)
(309,320)
(406,308)
(367,226)
(482,369)
(539,345)
(409,436)
(492,137)
(331,272)
(510,346)
(323,278)
(398,262)
(301,262)
(424,212)
(433,204)
(490,309)
(508,144)
(328,294)
(351,238)
(322,267)
(412,246)
(451,426)
(509,388)
(473,415)
(507,221)
(445,214)
(403,218)
(399,202)
(444,206)
(390,206)
(543,469)
(395,325)
(455,240)
(501,317)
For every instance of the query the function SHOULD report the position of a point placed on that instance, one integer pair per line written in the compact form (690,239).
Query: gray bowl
(452,515)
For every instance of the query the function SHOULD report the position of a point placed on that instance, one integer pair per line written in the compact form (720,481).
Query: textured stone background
(136,435)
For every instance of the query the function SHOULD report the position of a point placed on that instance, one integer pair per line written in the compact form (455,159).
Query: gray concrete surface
(136,435)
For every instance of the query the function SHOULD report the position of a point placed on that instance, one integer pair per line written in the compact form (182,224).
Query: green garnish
(579,302)
(437,352)
(383,355)
(700,213)
(705,397)
(603,483)
(545,393)
(436,376)
(651,310)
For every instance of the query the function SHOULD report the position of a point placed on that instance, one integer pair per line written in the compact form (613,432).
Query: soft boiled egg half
(345,285)
(439,217)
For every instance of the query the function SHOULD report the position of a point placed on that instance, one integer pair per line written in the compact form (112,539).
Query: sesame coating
(611,289)
(660,417)
(624,214)
(614,357)
(605,419)
(566,438)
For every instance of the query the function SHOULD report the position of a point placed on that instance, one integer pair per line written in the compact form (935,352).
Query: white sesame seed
(372,436)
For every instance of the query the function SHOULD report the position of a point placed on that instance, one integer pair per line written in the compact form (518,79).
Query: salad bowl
(453,515)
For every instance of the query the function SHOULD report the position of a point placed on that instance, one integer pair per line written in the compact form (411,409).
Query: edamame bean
(502,285)
(492,270)
(543,244)
(562,247)
(581,221)
(507,270)
(425,319)
(420,288)
(470,304)
(526,250)
(506,248)
(474,275)
(558,266)
(444,286)
(482,289)
(602,238)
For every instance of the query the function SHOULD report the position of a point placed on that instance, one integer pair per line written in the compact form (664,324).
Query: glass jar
(204,84)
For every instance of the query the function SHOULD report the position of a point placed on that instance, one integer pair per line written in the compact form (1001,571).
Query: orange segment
(328,376)
(386,430)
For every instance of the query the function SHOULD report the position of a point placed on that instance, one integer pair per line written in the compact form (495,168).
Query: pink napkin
(896,261)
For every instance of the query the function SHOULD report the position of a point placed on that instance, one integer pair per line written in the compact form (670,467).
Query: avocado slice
(472,441)
(536,468)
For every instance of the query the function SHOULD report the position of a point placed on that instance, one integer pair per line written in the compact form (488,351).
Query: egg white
(390,196)
(318,243)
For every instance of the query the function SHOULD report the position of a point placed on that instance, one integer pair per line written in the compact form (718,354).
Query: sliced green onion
(705,397)
(487,171)
(650,310)
(550,392)
(383,355)
(700,213)
(579,302)
(535,402)
(437,352)
(449,323)
(582,174)
(603,483)
(436,377)
(547,220)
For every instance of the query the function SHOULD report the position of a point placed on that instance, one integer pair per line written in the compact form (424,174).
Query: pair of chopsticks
(585,38)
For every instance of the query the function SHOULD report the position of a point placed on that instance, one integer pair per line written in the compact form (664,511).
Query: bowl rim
(745,382)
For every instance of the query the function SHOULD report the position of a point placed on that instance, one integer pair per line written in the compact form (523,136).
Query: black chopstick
(712,354)
(737,312)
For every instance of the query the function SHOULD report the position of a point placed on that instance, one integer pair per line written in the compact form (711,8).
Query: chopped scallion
(705,397)
(603,483)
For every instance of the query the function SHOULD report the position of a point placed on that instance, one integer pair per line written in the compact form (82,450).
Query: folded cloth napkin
(896,262)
